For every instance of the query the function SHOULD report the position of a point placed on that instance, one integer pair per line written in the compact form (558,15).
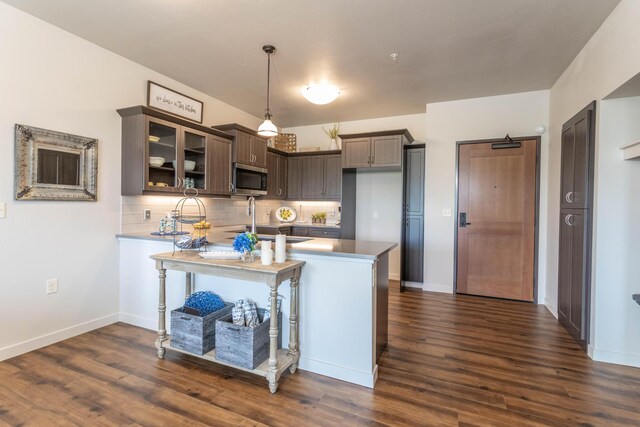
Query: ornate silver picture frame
(52,165)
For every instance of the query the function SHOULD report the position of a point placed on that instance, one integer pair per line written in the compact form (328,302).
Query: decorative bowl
(189,165)
(156,161)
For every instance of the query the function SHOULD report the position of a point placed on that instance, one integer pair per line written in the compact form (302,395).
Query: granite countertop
(299,245)
(295,224)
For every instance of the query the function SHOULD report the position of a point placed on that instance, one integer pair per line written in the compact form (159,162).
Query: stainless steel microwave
(249,180)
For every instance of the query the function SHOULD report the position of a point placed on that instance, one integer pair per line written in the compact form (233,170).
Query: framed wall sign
(52,165)
(172,102)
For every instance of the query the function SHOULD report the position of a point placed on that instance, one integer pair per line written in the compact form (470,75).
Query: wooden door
(163,139)
(572,273)
(294,178)
(219,169)
(333,177)
(496,220)
(259,151)
(356,153)
(312,177)
(413,249)
(272,175)
(386,151)
(414,182)
(242,148)
(195,145)
(282,177)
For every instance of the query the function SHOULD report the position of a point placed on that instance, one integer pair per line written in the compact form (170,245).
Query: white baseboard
(394,276)
(53,337)
(552,308)
(416,285)
(627,359)
(339,372)
(445,289)
(135,320)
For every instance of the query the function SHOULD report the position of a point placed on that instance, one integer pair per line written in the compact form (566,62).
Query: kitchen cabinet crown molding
(403,132)
(141,109)
(235,126)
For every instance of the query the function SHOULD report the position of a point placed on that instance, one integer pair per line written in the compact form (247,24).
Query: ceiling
(449,49)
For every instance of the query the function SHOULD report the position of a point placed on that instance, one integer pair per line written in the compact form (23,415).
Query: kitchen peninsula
(343,297)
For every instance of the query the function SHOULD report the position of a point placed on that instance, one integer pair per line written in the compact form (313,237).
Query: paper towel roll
(281,248)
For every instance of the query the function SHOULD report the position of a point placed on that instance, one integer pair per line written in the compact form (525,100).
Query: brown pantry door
(496,220)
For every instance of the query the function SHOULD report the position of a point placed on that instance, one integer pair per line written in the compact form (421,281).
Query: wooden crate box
(244,346)
(196,334)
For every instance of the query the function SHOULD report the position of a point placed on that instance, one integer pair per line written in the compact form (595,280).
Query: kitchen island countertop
(302,245)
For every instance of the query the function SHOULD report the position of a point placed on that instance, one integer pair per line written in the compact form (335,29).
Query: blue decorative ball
(206,302)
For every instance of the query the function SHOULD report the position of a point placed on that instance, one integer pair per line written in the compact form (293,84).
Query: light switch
(375,214)
(3,210)
(446,212)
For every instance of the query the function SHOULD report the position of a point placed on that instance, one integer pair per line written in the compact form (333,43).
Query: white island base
(342,304)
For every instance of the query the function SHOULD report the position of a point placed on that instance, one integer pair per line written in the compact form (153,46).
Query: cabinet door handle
(569,197)
(568,220)
(280,192)
(178,182)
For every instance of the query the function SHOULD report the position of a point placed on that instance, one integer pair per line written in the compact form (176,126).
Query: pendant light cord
(268,80)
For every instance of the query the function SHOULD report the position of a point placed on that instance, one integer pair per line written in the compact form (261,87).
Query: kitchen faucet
(251,210)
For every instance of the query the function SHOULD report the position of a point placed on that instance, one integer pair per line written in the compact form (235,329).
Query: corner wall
(480,118)
(55,80)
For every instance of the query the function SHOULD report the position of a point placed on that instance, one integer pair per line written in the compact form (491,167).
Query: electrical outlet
(147,214)
(375,214)
(52,286)
(446,212)
(3,210)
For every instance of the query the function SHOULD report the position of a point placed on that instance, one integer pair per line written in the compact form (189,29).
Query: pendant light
(267,128)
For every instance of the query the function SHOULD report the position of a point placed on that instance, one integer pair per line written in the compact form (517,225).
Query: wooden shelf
(284,359)
(162,168)
(195,151)
(193,173)
(163,144)
(631,151)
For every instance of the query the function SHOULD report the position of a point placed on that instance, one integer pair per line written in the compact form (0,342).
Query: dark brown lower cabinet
(412,246)
(573,274)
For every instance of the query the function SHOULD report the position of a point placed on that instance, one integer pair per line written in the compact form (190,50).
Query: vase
(248,256)
(333,145)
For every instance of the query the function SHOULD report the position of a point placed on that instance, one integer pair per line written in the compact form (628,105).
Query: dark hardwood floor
(452,360)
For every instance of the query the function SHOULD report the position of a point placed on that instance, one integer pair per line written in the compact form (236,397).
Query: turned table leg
(293,322)
(188,285)
(273,341)
(162,308)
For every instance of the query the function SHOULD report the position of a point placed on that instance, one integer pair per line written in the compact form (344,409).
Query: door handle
(568,220)
(569,197)
(463,219)
(179,184)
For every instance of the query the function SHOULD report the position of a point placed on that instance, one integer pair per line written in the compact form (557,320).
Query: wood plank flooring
(451,360)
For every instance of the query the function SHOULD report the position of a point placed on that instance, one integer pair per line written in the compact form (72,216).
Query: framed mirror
(53,165)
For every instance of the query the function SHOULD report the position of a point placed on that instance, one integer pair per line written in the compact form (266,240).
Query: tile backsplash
(220,212)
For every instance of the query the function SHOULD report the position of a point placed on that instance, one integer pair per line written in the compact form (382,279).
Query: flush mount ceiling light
(320,94)
(267,128)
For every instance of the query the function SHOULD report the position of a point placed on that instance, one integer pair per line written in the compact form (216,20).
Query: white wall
(55,80)
(617,243)
(376,192)
(480,118)
(607,61)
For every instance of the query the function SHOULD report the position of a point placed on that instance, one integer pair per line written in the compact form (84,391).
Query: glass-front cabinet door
(194,146)
(163,163)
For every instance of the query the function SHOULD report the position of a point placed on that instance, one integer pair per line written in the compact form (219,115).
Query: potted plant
(245,243)
(333,134)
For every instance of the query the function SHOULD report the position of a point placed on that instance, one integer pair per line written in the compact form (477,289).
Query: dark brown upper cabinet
(374,149)
(276,176)
(576,161)
(186,149)
(248,147)
(321,177)
(294,178)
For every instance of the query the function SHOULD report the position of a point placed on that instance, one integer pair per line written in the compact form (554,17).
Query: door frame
(536,222)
